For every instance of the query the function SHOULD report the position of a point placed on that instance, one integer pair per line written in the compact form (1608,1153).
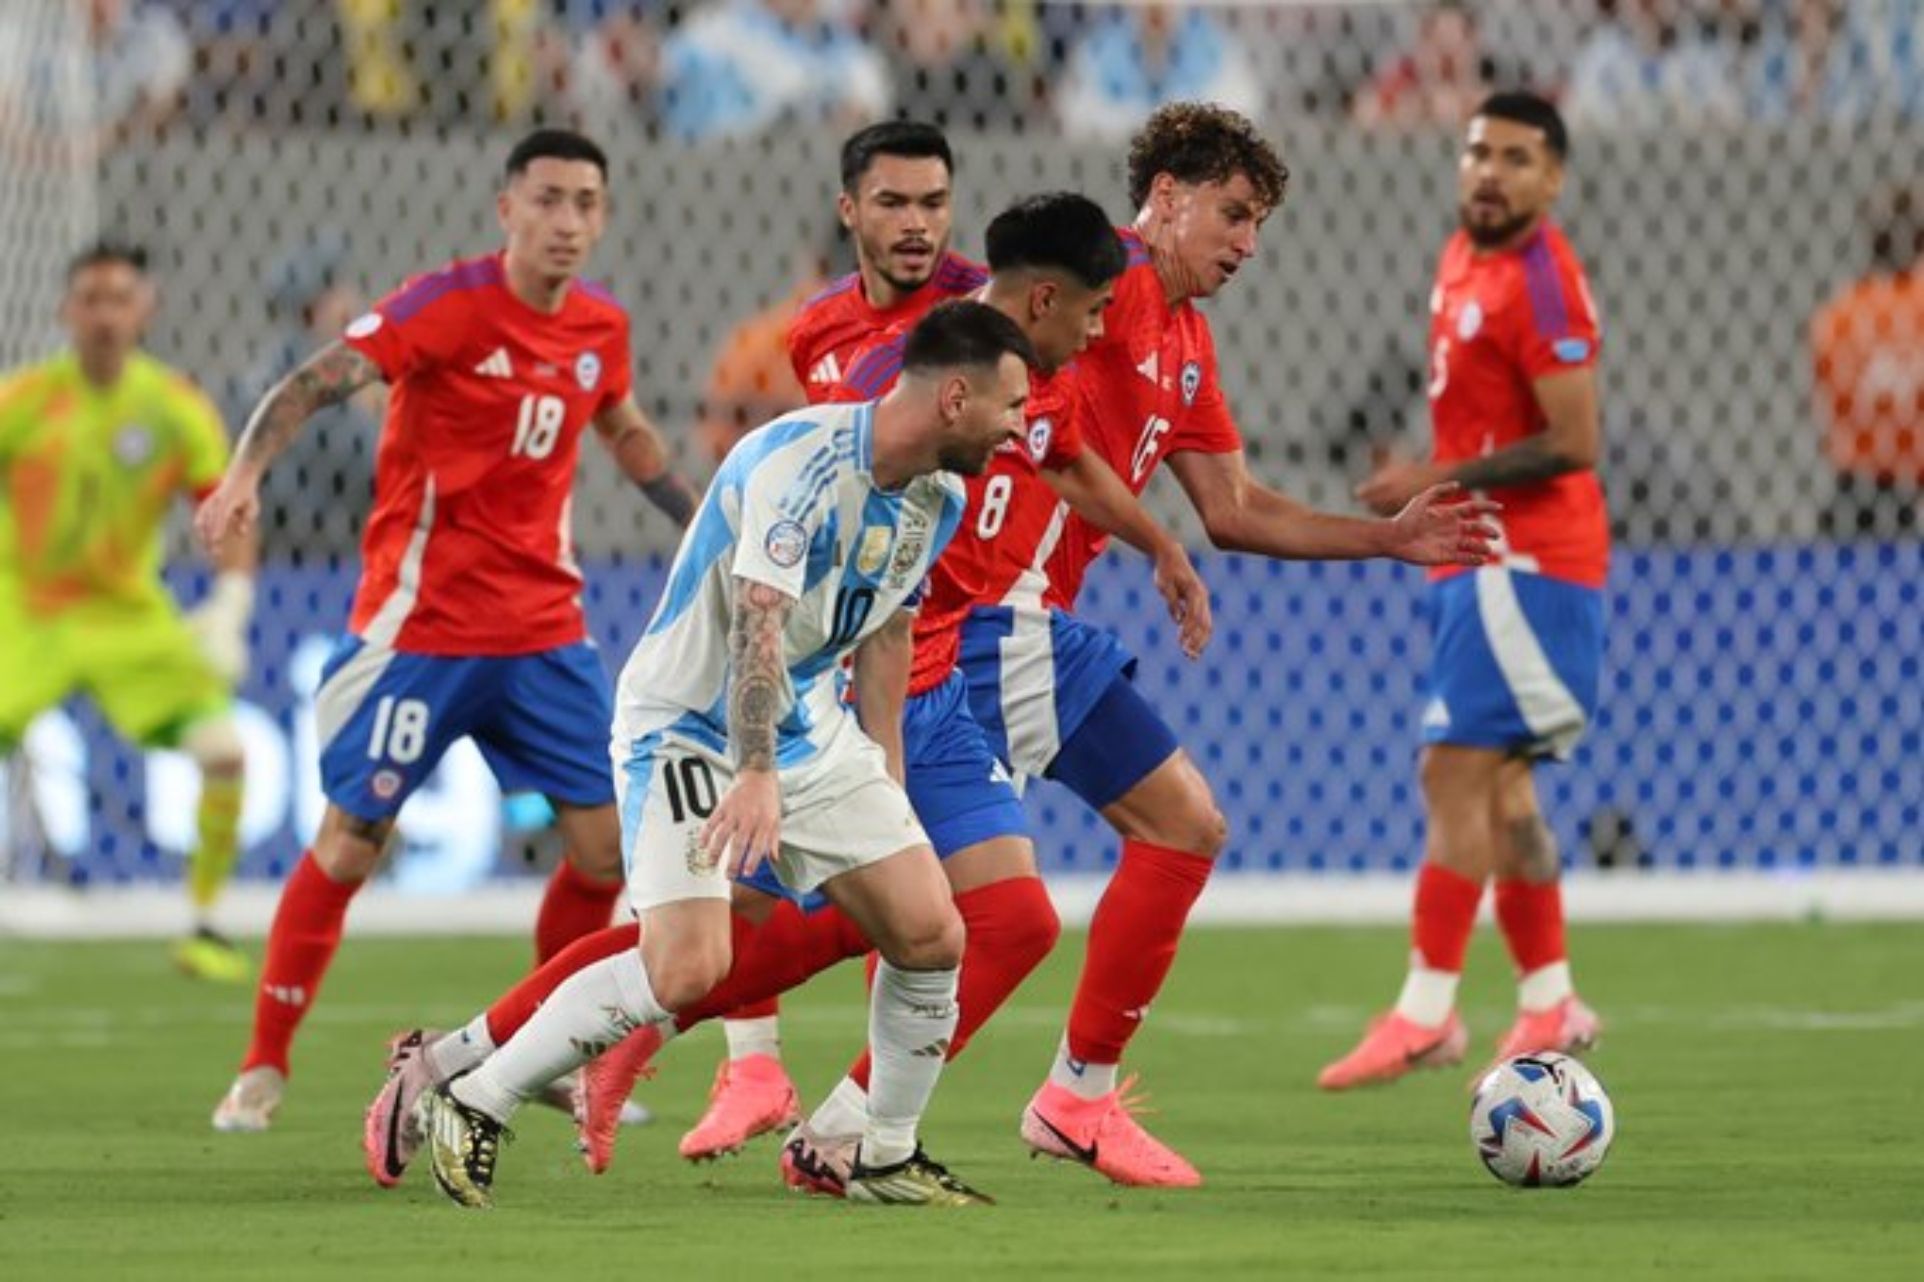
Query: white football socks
(593,1010)
(754,1037)
(462,1050)
(911,1021)
(843,1112)
(1428,996)
(1544,987)
(1080,1077)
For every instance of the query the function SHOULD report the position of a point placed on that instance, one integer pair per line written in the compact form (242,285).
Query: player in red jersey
(1519,644)
(896,204)
(1056,693)
(467,621)
(895,201)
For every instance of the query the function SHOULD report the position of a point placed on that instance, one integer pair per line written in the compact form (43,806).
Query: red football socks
(1012,926)
(1444,917)
(1132,944)
(574,905)
(300,944)
(790,947)
(770,958)
(1531,917)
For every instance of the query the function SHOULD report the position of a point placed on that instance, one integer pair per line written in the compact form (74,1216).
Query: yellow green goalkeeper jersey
(86,477)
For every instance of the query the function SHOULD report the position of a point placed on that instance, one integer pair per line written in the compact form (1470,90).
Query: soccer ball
(1541,1119)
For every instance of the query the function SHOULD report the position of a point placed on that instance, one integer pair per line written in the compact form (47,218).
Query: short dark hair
(1058,230)
(963,333)
(1199,142)
(102,252)
(1526,108)
(915,139)
(556,144)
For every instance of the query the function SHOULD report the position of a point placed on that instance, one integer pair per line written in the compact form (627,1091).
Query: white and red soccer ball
(1541,1120)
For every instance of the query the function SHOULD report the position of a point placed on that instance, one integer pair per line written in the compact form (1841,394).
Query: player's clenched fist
(746,827)
(233,508)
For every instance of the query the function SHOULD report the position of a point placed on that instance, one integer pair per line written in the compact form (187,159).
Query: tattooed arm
(746,827)
(328,377)
(643,457)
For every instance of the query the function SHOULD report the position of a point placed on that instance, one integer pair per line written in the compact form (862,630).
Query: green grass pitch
(1769,1082)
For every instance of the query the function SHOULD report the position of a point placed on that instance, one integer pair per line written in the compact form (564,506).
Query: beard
(1485,235)
(965,460)
(878,254)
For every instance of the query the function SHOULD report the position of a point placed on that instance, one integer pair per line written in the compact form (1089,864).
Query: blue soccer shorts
(1057,700)
(384,718)
(1517,663)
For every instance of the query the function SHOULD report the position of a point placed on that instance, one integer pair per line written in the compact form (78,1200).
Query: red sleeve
(842,394)
(1554,327)
(793,340)
(1206,426)
(1057,403)
(418,326)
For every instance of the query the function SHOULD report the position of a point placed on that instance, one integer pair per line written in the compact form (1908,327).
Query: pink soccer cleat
(751,1096)
(389,1136)
(1394,1046)
(1567,1027)
(816,1163)
(1104,1136)
(603,1088)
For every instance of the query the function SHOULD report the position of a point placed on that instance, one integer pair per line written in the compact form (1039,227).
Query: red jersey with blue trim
(1010,523)
(468,549)
(1148,388)
(1498,322)
(834,327)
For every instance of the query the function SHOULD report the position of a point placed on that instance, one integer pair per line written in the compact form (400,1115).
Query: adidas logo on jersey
(496,366)
(1151,369)
(827,370)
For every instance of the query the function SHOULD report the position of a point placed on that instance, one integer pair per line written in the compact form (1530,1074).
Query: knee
(931,942)
(348,848)
(1017,919)
(1198,825)
(215,746)
(597,859)
(681,980)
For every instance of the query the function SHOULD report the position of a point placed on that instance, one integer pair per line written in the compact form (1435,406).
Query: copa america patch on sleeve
(786,542)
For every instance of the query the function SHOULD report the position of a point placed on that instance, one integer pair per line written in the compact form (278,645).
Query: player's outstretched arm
(1571,440)
(642,455)
(746,826)
(1092,488)
(219,622)
(882,664)
(1242,514)
(328,377)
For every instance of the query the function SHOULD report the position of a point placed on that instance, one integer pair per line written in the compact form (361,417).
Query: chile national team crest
(1041,432)
(588,371)
(1191,382)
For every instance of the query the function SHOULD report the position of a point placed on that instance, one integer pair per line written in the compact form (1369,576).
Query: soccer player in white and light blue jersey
(733,746)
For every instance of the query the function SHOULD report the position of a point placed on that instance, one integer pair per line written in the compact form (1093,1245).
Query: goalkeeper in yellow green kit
(95,444)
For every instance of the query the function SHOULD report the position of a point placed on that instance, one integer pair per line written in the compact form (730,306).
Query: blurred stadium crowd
(702,70)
